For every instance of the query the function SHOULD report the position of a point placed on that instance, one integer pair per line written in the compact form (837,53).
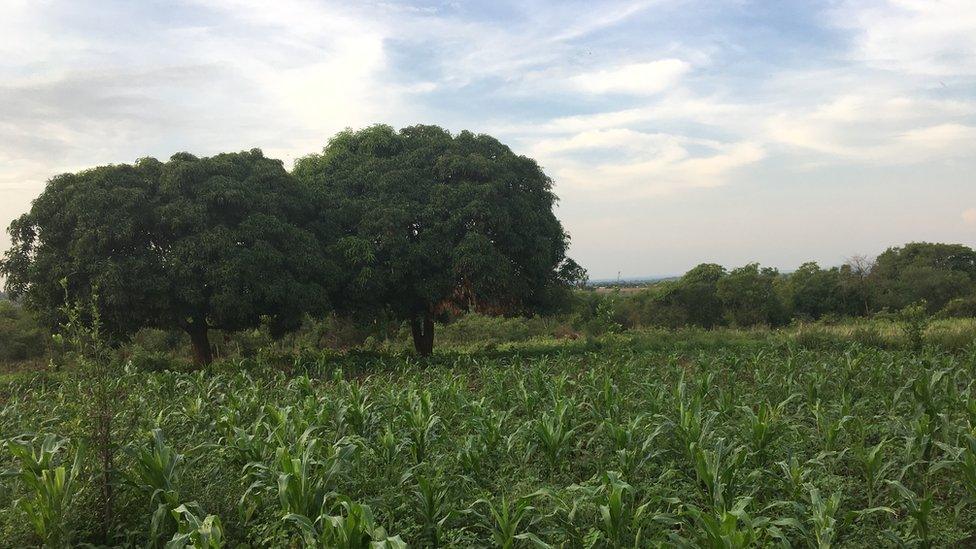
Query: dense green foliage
(416,224)
(943,276)
(20,335)
(190,244)
(430,224)
(934,273)
(631,440)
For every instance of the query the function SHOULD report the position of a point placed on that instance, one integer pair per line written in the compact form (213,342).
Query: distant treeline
(942,276)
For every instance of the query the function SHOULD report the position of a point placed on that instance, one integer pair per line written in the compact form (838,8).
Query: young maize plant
(728,529)
(387,450)
(928,388)
(829,429)
(358,409)
(554,434)
(303,486)
(490,426)
(795,476)
(765,425)
(472,456)
(823,518)
(155,471)
(432,509)
(873,467)
(50,488)
(421,424)
(621,519)
(919,510)
(509,522)
(193,532)
(301,481)
(691,424)
(351,527)
(717,472)
(962,464)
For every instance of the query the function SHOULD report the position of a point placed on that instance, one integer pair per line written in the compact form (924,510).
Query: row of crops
(615,448)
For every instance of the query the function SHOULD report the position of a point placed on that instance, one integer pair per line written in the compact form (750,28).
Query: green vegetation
(416,224)
(940,276)
(192,244)
(21,337)
(431,224)
(635,439)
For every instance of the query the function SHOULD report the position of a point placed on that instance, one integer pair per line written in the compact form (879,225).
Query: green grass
(643,438)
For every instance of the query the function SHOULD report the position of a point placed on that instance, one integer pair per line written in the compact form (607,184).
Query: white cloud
(645,164)
(620,139)
(635,78)
(878,129)
(925,37)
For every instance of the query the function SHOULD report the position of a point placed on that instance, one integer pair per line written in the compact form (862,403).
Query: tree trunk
(423,333)
(202,354)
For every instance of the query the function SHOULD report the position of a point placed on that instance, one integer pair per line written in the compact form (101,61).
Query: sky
(676,131)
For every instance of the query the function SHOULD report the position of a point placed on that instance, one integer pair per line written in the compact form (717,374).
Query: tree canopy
(923,271)
(430,224)
(749,296)
(697,293)
(193,243)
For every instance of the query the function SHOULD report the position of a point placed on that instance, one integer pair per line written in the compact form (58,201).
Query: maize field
(605,446)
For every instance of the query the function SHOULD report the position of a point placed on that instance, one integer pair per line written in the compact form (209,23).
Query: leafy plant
(51,488)
(193,532)
(553,433)
(155,471)
(728,529)
(421,422)
(914,320)
(717,472)
(919,510)
(873,468)
(350,527)
(509,521)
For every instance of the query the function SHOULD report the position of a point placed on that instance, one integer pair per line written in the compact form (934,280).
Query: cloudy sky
(677,131)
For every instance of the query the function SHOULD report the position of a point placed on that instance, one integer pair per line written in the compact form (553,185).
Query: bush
(154,361)
(811,336)
(595,314)
(952,335)
(913,321)
(161,341)
(21,338)
(868,335)
(961,307)
(479,329)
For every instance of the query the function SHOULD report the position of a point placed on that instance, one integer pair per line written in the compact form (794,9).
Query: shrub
(475,328)
(153,361)
(21,338)
(815,337)
(868,335)
(961,307)
(163,341)
(913,321)
(952,335)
